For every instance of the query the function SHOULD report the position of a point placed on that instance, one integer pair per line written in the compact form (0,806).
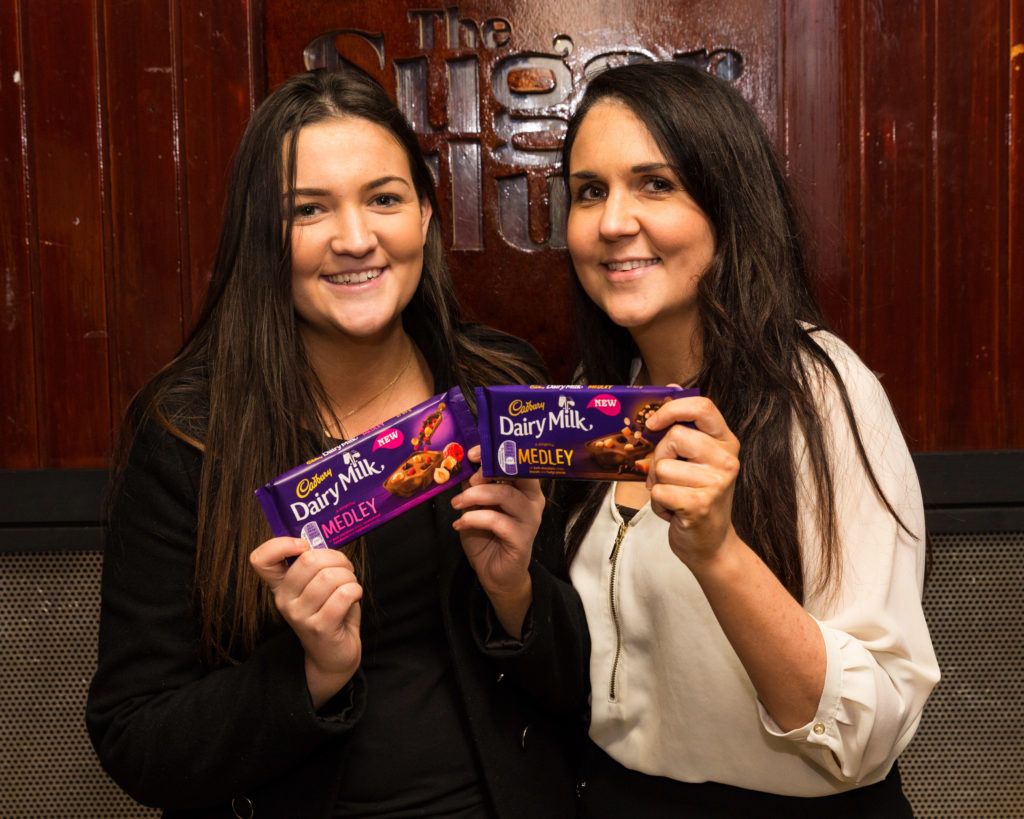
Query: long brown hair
(241,389)
(757,311)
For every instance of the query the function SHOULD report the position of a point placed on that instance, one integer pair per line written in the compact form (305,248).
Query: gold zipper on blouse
(614,558)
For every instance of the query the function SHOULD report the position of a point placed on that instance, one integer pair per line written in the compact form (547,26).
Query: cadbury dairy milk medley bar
(374,477)
(585,432)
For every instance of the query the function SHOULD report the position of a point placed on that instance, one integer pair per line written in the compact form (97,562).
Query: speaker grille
(965,761)
(49,618)
(968,756)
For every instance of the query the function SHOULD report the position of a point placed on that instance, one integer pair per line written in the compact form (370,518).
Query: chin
(628,319)
(361,328)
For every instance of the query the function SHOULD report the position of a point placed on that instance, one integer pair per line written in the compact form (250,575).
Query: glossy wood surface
(19,433)
(528,61)
(1014,283)
(118,120)
(900,122)
(67,203)
(145,283)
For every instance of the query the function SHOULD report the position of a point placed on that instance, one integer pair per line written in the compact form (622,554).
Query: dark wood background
(900,122)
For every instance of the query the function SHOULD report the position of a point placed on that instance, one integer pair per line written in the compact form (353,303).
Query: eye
(589,192)
(386,200)
(658,184)
(307,210)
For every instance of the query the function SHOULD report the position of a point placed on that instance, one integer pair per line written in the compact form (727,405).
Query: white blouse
(669,695)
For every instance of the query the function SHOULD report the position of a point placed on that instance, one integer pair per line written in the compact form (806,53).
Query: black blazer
(242,738)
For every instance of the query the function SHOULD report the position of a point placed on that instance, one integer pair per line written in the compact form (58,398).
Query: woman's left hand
(497,527)
(692,477)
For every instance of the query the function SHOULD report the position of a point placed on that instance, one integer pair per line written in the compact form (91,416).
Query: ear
(425,213)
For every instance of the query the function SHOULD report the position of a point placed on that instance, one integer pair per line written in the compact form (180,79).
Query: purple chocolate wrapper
(578,432)
(374,477)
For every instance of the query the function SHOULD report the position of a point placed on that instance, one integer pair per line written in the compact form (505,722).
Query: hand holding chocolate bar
(693,476)
(318,595)
(497,528)
(374,477)
(582,432)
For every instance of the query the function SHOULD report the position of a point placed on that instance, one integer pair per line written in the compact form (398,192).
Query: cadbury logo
(307,485)
(520,407)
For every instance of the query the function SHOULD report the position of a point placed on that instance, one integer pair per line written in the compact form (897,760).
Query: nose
(618,215)
(353,235)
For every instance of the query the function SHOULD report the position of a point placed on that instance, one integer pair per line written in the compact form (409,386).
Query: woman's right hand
(318,596)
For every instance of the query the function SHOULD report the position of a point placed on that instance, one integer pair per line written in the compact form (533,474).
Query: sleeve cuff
(822,730)
(488,633)
(284,654)
(345,707)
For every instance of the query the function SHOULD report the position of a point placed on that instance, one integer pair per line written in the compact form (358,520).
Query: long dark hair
(241,389)
(757,311)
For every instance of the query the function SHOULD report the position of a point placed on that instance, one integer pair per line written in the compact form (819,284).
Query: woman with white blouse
(758,643)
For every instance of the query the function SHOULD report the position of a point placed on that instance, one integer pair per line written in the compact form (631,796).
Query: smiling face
(358,230)
(638,241)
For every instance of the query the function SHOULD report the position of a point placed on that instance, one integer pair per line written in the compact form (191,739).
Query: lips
(630,264)
(356,276)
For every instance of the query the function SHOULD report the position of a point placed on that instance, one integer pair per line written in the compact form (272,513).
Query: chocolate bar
(374,477)
(582,432)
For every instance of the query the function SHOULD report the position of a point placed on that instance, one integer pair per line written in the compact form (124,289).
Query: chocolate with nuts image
(621,451)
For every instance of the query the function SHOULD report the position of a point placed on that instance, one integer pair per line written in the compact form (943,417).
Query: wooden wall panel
(893,282)
(109,216)
(62,86)
(219,76)
(18,418)
(511,257)
(145,274)
(900,122)
(970,224)
(814,111)
(925,190)
(1013,387)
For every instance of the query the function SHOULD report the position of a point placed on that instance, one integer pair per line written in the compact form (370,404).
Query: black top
(627,512)
(609,790)
(241,737)
(413,730)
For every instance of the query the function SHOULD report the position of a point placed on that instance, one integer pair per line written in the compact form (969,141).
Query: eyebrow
(369,186)
(386,180)
(646,167)
(651,166)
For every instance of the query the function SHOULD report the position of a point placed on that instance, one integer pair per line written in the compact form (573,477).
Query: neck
(671,352)
(359,375)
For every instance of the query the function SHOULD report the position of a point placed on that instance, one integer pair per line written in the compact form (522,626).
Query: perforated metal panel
(967,759)
(49,616)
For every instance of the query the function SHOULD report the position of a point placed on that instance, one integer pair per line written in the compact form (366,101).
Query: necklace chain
(341,418)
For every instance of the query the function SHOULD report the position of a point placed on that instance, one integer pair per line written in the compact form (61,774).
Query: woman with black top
(431,669)
(758,643)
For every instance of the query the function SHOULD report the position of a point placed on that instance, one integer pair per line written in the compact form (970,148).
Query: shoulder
(176,401)
(160,442)
(833,366)
(858,416)
(502,341)
(156,461)
(489,343)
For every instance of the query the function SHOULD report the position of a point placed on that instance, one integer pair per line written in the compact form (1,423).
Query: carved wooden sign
(488,88)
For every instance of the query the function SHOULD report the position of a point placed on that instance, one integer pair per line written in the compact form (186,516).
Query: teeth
(355,278)
(632,264)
